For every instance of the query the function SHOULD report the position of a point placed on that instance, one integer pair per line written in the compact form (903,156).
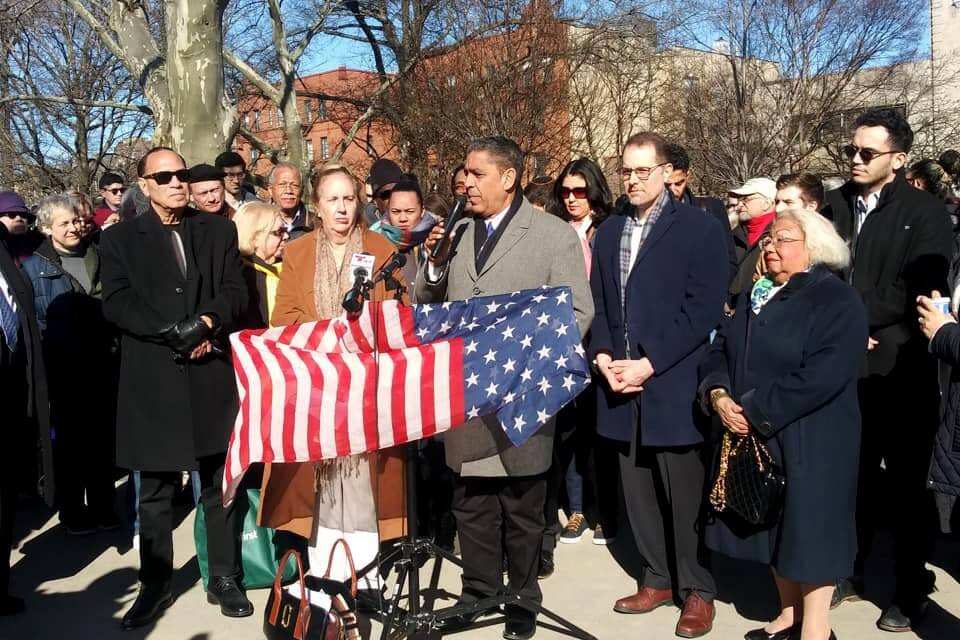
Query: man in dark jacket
(173,285)
(65,275)
(659,281)
(901,241)
(679,184)
(25,417)
(755,207)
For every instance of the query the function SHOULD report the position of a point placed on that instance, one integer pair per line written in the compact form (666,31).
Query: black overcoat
(794,369)
(169,412)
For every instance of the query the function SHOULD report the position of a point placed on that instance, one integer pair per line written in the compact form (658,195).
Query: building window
(309,148)
(451,81)
(324,148)
(254,155)
(308,111)
(540,164)
(279,118)
(322,110)
(256,120)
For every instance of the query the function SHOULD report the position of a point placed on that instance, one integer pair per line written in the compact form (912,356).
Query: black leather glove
(186,335)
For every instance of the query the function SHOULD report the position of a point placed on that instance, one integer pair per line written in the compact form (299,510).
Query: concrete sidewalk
(80,587)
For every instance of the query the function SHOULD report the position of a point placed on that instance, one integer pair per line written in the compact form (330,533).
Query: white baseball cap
(761,186)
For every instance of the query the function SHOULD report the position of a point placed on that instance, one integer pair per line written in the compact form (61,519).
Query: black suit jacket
(902,251)
(718,212)
(35,405)
(169,412)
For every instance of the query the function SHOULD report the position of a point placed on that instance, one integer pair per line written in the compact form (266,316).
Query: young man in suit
(901,240)
(173,284)
(659,280)
(505,246)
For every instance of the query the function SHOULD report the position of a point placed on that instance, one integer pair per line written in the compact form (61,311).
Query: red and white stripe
(334,388)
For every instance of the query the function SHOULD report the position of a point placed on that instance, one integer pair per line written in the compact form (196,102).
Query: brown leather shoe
(696,619)
(647,599)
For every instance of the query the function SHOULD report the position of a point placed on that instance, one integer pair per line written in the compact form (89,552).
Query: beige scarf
(331,280)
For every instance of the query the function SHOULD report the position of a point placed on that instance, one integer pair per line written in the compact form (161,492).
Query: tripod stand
(409,555)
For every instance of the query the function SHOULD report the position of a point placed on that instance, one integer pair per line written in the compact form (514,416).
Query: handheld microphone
(353,299)
(459,207)
(395,262)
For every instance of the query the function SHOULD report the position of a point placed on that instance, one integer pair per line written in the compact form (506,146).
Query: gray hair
(50,205)
(284,165)
(823,243)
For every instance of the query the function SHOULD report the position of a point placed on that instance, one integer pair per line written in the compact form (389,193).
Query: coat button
(179,289)
(476,290)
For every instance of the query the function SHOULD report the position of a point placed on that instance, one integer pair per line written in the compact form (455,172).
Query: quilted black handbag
(288,618)
(748,483)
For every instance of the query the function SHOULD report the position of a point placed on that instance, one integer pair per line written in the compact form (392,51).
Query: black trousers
(481,506)
(663,492)
(8,507)
(22,448)
(899,426)
(157,489)
(85,467)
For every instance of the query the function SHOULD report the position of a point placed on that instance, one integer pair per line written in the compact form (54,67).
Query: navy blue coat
(675,295)
(794,370)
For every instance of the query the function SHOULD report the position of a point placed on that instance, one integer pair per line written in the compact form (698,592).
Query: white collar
(497,219)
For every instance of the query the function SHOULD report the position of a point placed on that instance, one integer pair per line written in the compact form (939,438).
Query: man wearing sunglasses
(22,238)
(384,175)
(900,238)
(111,190)
(173,284)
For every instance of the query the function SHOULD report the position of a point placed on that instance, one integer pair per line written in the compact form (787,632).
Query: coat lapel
(663,223)
(516,229)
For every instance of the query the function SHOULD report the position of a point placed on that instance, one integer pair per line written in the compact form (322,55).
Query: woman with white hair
(784,369)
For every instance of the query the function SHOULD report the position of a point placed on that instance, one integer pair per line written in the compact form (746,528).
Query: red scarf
(756,227)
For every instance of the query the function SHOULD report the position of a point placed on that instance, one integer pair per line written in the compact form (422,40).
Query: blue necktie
(490,230)
(8,322)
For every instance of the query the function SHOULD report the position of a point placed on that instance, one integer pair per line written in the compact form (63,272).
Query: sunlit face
(65,230)
(574,193)
(489,187)
(791,197)
(170,196)
(233,178)
(337,205)
(271,245)
(882,166)
(753,205)
(644,175)
(785,251)
(286,189)
(208,195)
(405,210)
(112,194)
(677,183)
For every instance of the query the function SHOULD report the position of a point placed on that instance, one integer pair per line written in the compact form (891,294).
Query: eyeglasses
(117,190)
(385,194)
(234,175)
(776,243)
(866,154)
(164,177)
(643,173)
(283,186)
(280,233)
(580,193)
(744,201)
(29,217)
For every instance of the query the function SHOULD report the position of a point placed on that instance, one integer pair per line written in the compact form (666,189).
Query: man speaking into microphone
(504,245)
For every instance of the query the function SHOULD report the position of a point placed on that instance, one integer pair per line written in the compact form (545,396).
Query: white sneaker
(599,538)
(136,541)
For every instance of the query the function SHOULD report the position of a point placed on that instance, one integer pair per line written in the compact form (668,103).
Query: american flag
(398,373)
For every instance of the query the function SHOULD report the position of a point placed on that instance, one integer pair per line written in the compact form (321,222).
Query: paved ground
(80,587)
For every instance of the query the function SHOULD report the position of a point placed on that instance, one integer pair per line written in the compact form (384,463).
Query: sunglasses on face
(116,191)
(851,151)
(580,193)
(385,194)
(29,217)
(164,177)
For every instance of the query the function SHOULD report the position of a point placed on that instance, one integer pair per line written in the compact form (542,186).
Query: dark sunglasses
(580,193)
(385,194)
(164,177)
(117,190)
(29,217)
(851,151)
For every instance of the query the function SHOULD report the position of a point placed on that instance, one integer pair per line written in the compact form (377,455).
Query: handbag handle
(353,569)
(303,620)
(718,494)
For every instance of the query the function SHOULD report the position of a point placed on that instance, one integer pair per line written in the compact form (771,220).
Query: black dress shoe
(547,565)
(521,623)
(900,617)
(847,590)
(151,601)
(790,633)
(11,606)
(464,621)
(225,592)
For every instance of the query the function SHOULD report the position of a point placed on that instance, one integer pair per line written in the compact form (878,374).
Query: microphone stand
(412,552)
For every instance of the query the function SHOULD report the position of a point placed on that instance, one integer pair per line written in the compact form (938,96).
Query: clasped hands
(732,416)
(190,338)
(625,376)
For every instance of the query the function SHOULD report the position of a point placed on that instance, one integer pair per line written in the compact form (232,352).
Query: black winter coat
(902,251)
(170,412)
(793,368)
(945,465)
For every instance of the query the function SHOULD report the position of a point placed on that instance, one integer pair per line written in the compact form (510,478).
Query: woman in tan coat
(360,498)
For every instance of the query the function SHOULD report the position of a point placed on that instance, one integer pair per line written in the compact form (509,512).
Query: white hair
(50,206)
(284,165)
(822,241)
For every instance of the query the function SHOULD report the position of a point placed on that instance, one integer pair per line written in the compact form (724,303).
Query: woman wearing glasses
(261,234)
(784,368)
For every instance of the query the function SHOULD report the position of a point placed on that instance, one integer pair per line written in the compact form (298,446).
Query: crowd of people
(812,323)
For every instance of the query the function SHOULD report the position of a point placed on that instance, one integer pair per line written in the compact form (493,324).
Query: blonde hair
(333,169)
(254,219)
(822,241)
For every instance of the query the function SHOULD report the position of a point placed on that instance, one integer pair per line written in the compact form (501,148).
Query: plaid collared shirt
(635,233)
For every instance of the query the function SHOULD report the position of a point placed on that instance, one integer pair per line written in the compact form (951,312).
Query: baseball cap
(761,186)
